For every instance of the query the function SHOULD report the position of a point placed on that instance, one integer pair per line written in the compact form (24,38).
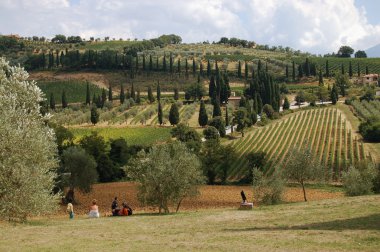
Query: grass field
(75,90)
(138,135)
(344,224)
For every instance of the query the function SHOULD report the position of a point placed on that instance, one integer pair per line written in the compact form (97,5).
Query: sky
(316,26)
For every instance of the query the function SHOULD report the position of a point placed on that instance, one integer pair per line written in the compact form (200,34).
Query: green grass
(138,135)
(344,224)
(75,90)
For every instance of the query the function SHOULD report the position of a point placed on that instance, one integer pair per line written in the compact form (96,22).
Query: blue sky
(317,26)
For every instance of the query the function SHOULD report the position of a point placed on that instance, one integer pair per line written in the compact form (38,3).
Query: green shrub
(268,190)
(359,179)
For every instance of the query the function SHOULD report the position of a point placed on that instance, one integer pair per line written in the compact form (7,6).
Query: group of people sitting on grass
(125,210)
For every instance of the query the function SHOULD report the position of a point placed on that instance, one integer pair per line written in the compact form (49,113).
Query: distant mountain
(373,52)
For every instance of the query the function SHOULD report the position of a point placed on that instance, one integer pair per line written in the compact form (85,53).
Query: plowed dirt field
(210,197)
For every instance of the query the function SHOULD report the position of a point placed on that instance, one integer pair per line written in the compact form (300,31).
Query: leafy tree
(300,98)
(150,95)
(360,54)
(203,117)
(301,166)
(81,168)
(174,114)
(369,94)
(241,120)
(219,124)
(160,114)
(269,111)
(52,101)
(119,151)
(27,151)
(342,82)
(323,94)
(286,104)
(107,170)
(167,174)
(94,115)
(345,52)
(59,39)
(211,133)
(122,94)
(187,135)
(64,100)
(256,160)
(88,94)
(359,179)
(268,188)
(370,130)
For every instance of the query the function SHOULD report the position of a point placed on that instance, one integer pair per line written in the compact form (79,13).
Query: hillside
(373,52)
(344,224)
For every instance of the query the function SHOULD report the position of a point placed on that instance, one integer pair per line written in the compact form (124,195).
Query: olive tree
(301,166)
(167,174)
(27,148)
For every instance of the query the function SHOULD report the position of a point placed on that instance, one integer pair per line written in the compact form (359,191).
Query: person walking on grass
(70,210)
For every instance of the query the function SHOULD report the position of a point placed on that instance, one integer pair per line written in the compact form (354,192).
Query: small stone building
(369,79)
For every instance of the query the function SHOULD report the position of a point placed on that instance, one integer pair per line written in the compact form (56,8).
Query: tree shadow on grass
(370,222)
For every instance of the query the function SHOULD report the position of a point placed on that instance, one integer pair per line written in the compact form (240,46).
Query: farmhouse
(234,100)
(369,79)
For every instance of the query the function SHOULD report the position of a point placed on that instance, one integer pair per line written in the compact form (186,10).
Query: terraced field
(325,130)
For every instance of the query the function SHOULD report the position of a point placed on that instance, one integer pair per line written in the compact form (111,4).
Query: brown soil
(211,197)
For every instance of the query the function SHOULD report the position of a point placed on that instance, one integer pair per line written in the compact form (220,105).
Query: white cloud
(312,25)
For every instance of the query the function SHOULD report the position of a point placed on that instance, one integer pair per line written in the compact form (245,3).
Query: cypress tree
(307,67)
(43,61)
(300,71)
(62,58)
(286,104)
(350,70)
(366,70)
(104,96)
(211,88)
(158,91)
(255,103)
(216,111)
(243,102)
(342,69)
(88,94)
(57,58)
(171,63)
(150,95)
(320,80)
(266,67)
(133,94)
(199,79)
(150,63)
(286,72)
(138,99)
(239,70)
(128,94)
(259,66)
(259,104)
(194,67)
(157,63)
(99,102)
(143,62)
(64,101)
(174,114)
(208,68)
(52,101)
(94,100)
(227,117)
(159,113)
(94,115)
(216,66)
(294,71)
(203,117)
(110,93)
(179,66)
(334,94)
(246,70)
(164,63)
(122,94)
(176,95)
(359,70)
